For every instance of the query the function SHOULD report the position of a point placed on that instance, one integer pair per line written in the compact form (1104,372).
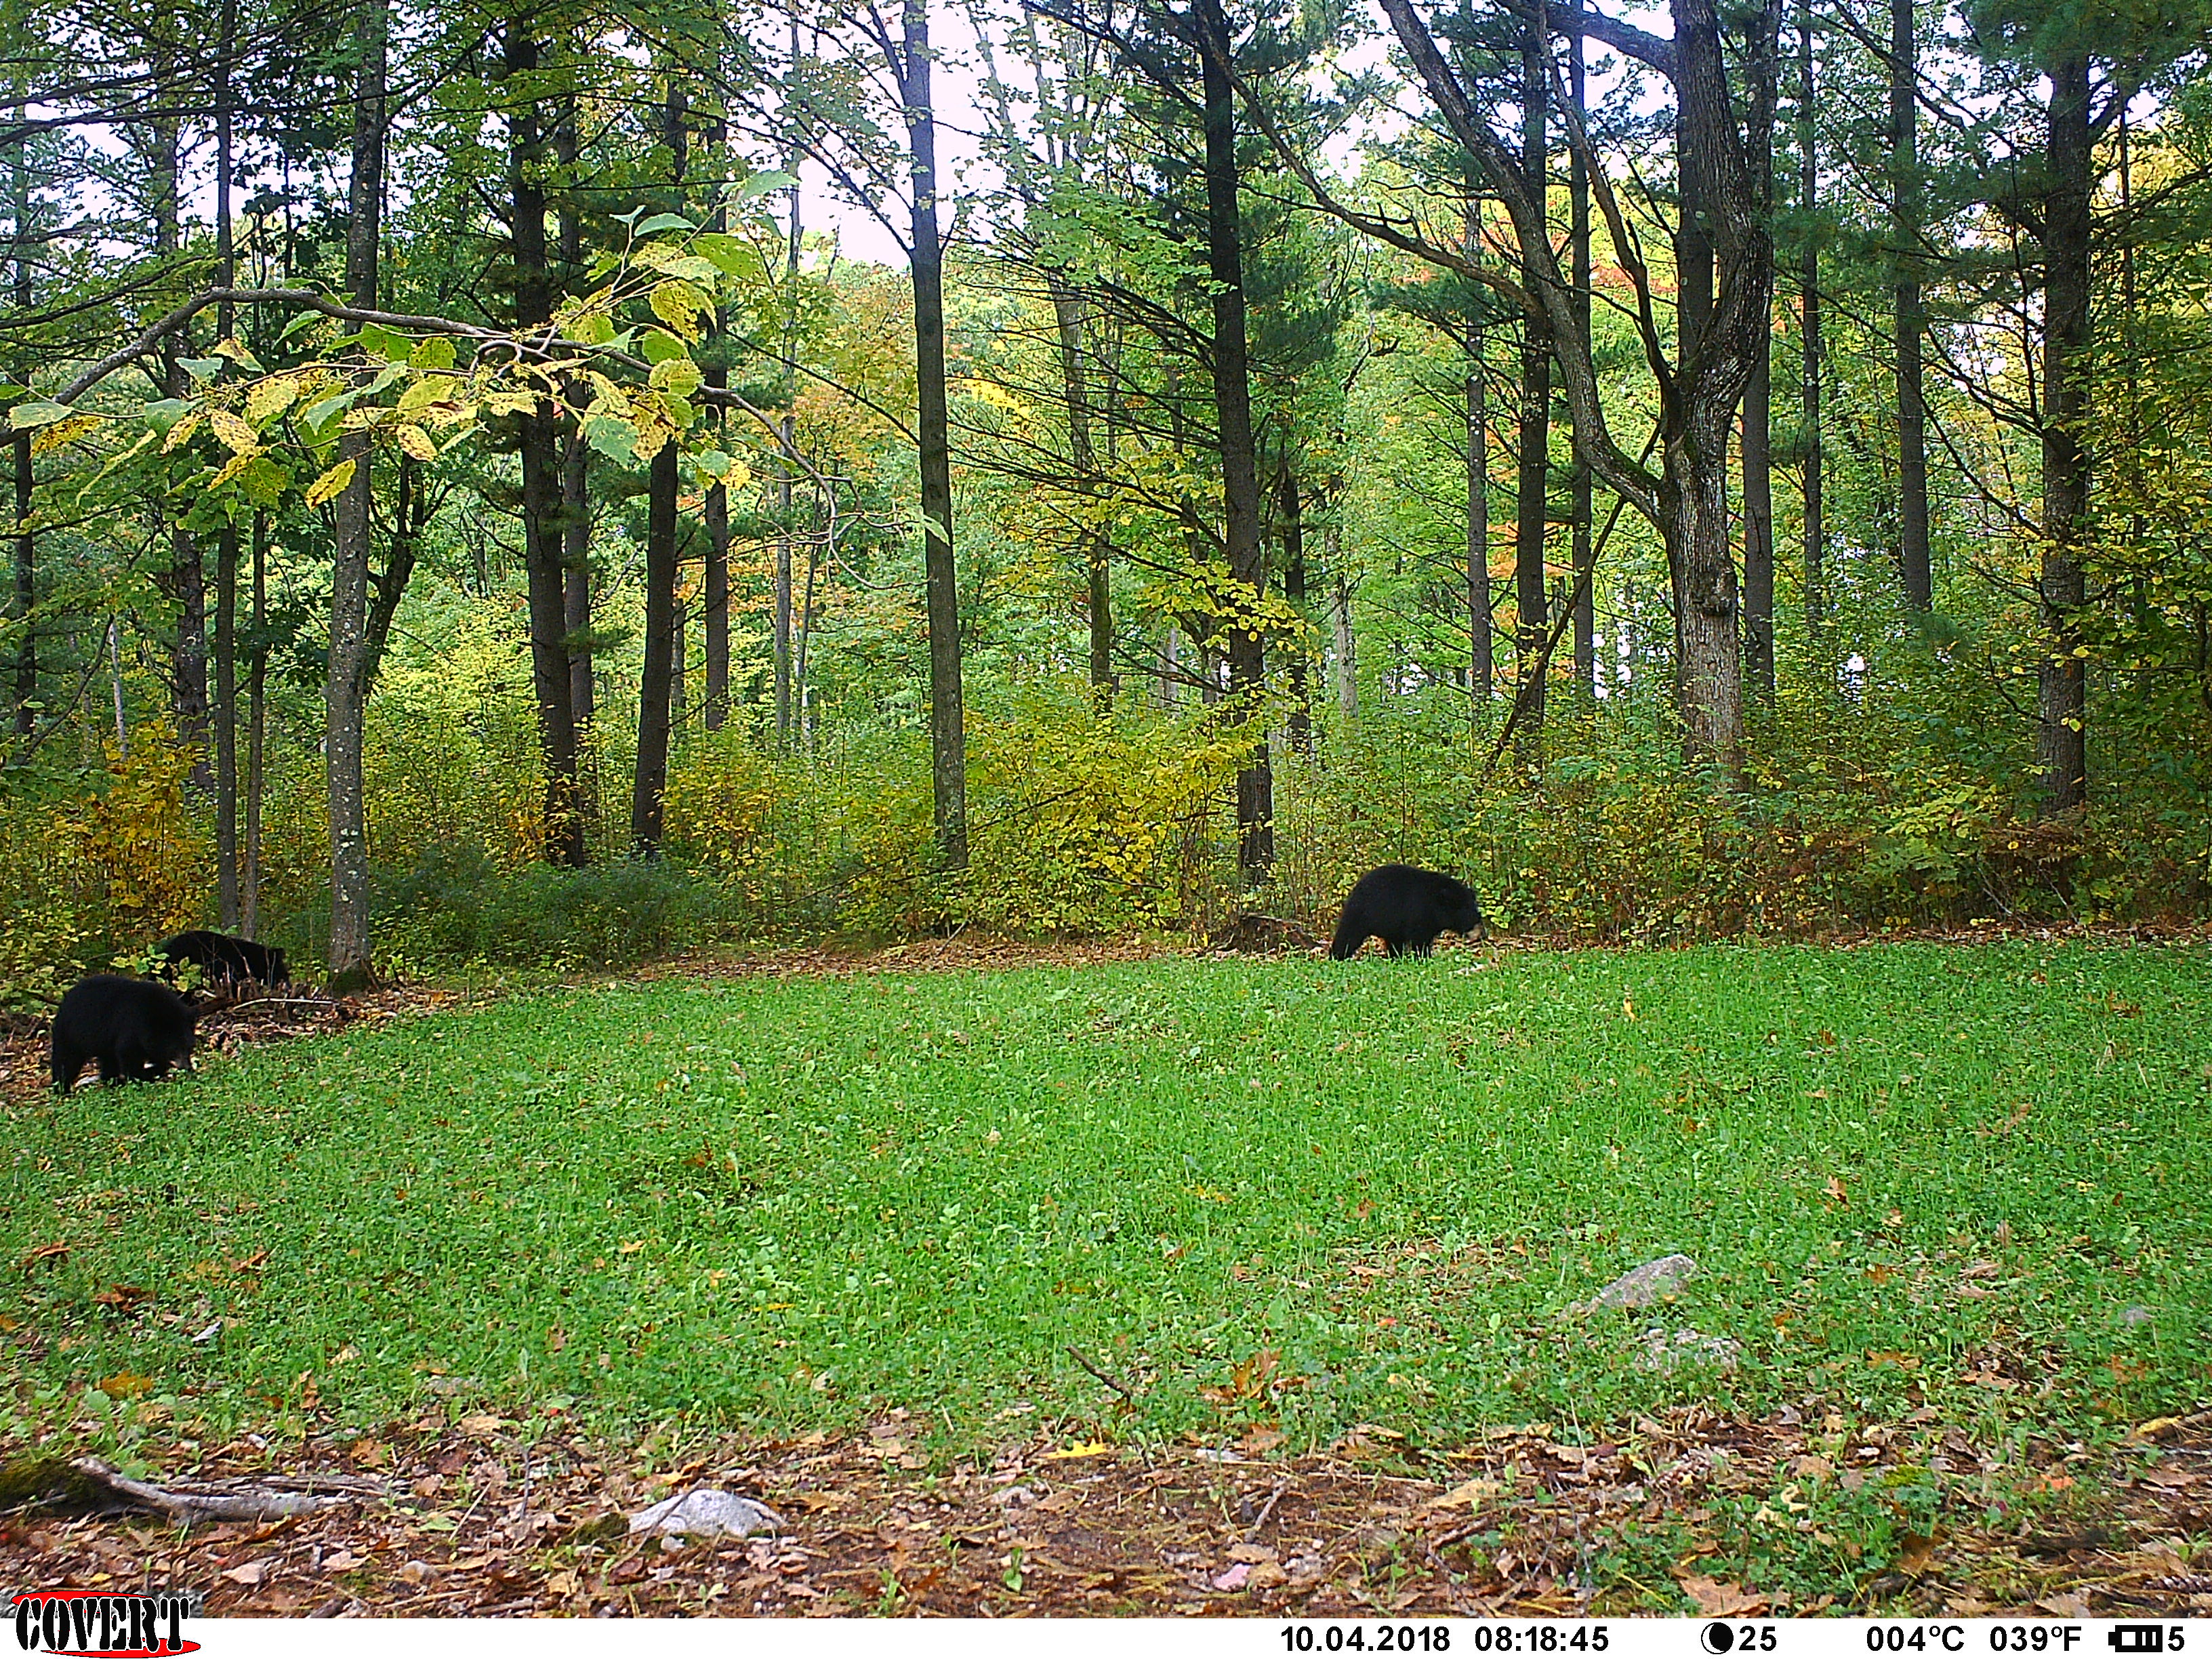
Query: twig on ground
(1078,1355)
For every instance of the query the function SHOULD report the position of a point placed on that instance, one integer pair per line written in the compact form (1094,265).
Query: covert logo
(99,1624)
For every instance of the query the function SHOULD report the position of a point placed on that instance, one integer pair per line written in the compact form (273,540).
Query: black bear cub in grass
(1406,909)
(135,1029)
(220,956)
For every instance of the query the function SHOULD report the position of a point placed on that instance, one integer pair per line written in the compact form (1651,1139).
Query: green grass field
(1304,1192)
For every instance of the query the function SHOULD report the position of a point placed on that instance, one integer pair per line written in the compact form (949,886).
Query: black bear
(1406,909)
(135,1029)
(220,958)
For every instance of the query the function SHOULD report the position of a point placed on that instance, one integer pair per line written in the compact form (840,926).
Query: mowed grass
(1301,1193)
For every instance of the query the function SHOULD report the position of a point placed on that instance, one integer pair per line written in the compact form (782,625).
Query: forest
(1714,470)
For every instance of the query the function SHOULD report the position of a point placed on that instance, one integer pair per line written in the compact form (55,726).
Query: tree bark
(1067,315)
(1294,590)
(657,677)
(27,541)
(539,446)
(347,692)
(1532,525)
(187,581)
(715,510)
(1583,555)
(1481,659)
(1809,289)
(948,739)
(257,715)
(1912,403)
(1348,648)
(575,469)
(2063,699)
(226,550)
(1240,471)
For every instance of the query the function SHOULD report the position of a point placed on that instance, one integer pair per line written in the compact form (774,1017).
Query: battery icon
(2138,1639)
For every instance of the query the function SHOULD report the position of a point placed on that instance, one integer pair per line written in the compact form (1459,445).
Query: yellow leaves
(332,485)
(681,304)
(235,433)
(181,433)
(415,441)
(1080,1448)
(62,433)
(231,468)
(273,397)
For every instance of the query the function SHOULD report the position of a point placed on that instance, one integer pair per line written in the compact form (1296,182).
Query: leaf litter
(1517,1524)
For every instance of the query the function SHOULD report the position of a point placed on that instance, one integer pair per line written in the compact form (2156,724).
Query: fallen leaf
(1718,1601)
(54,1252)
(481,1424)
(122,1296)
(1835,1190)
(1252,1555)
(251,1574)
(2069,1604)
(1919,1555)
(1081,1449)
(1468,1493)
(125,1385)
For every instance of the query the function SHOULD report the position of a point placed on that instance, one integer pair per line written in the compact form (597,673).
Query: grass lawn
(1291,1193)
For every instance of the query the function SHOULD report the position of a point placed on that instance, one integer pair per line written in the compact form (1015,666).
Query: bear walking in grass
(135,1029)
(1406,909)
(221,958)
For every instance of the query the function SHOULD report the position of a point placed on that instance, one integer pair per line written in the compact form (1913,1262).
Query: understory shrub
(456,905)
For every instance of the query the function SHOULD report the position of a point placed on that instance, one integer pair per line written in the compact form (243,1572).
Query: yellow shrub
(135,834)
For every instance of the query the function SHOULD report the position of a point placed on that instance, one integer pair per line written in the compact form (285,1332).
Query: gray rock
(706,1512)
(2137,1314)
(1655,1281)
(1667,1352)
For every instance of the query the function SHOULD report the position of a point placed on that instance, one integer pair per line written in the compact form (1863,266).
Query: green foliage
(456,906)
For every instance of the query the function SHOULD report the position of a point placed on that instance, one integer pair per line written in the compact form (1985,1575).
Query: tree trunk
(347,693)
(187,581)
(226,549)
(1809,288)
(1481,659)
(1294,590)
(715,510)
(1240,470)
(1067,314)
(1340,616)
(1532,621)
(1583,556)
(1911,406)
(257,715)
(783,721)
(26,542)
(409,517)
(539,445)
(2063,699)
(948,738)
(575,469)
(1758,529)
(27,587)
(657,677)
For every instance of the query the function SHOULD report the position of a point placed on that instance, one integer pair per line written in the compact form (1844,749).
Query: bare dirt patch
(477,1521)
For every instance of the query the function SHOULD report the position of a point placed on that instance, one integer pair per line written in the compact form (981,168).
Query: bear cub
(135,1029)
(1406,909)
(221,958)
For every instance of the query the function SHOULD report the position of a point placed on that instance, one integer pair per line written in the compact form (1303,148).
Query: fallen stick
(246,1502)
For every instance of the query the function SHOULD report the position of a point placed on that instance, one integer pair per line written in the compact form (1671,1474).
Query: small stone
(706,1512)
(1655,1281)
(2137,1314)
(1666,1354)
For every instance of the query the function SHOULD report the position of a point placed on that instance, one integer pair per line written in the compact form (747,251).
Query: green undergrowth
(1296,1194)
